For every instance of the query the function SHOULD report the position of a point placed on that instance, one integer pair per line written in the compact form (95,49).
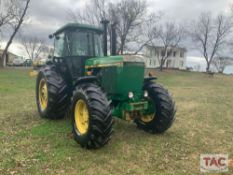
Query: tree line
(136,27)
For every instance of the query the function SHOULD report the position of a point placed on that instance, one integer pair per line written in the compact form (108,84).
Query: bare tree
(33,46)
(126,15)
(129,14)
(92,13)
(147,33)
(220,63)
(19,10)
(230,43)
(210,35)
(169,36)
(6,12)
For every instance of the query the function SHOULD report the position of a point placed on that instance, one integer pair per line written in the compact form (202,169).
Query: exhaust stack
(113,39)
(105,23)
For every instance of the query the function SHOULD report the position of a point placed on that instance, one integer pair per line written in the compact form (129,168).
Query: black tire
(164,106)
(57,89)
(100,118)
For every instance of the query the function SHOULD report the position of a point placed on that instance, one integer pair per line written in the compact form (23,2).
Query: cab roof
(78,25)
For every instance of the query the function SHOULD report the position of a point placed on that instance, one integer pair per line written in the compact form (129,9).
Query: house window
(174,54)
(181,64)
(169,63)
(163,53)
(169,53)
(151,53)
(181,54)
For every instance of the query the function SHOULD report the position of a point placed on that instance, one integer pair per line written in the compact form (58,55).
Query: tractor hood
(120,75)
(112,61)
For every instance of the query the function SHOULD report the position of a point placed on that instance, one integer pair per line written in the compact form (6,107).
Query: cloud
(184,10)
(47,16)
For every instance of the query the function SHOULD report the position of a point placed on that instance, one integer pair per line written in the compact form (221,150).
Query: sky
(44,16)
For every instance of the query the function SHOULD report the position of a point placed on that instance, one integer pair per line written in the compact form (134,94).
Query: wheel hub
(81,116)
(43,95)
(148,118)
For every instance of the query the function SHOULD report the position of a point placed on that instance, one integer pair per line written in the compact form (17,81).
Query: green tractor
(91,87)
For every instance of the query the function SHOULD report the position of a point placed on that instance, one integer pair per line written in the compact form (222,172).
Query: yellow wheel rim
(148,118)
(43,94)
(81,116)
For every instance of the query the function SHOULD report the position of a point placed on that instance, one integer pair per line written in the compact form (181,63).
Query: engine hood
(113,61)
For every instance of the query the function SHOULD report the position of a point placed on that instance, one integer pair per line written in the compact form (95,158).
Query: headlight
(130,95)
(145,94)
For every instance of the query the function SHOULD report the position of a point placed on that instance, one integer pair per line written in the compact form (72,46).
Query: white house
(176,57)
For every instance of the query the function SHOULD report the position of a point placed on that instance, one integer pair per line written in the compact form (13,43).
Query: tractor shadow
(125,132)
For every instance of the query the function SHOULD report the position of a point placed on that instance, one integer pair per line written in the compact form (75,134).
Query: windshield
(84,43)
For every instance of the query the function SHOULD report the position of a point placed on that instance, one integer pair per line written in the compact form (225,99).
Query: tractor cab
(74,44)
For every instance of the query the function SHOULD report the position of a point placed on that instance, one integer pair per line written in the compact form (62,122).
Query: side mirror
(50,36)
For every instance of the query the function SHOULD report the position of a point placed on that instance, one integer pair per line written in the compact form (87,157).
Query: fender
(85,79)
(149,79)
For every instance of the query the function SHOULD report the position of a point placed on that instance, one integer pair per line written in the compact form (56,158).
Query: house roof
(161,47)
(1,52)
(78,25)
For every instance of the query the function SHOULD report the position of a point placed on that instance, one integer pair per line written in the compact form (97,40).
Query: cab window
(59,45)
(84,43)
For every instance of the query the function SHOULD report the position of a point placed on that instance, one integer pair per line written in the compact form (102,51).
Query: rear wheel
(51,94)
(161,112)
(91,116)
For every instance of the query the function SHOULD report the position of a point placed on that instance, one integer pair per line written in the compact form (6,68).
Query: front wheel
(161,113)
(91,116)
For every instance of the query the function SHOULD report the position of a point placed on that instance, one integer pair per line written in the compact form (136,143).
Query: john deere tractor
(94,87)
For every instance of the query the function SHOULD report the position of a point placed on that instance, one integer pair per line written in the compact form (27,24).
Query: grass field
(31,145)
